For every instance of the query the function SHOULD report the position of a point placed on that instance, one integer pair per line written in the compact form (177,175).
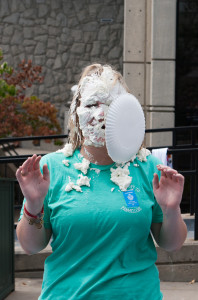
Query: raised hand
(168,191)
(34,185)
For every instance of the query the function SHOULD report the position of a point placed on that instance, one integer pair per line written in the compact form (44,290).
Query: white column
(149,61)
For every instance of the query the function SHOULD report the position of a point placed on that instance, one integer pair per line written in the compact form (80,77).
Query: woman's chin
(97,142)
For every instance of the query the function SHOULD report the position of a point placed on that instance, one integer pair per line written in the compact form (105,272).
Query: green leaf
(12,90)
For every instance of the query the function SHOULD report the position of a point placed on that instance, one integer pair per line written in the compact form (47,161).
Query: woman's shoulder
(50,159)
(66,153)
(154,160)
(51,156)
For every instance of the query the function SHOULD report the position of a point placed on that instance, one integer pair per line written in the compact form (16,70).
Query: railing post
(6,237)
(192,183)
(196,196)
(193,178)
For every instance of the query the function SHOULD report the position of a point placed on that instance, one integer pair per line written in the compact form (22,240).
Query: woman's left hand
(168,191)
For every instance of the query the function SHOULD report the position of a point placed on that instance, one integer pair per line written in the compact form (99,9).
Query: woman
(99,214)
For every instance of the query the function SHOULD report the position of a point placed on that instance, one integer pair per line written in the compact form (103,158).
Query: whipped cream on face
(100,87)
(92,124)
(97,91)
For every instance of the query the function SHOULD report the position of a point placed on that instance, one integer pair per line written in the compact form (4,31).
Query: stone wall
(62,36)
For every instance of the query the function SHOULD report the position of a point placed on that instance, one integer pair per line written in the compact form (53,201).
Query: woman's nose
(101,113)
(101,110)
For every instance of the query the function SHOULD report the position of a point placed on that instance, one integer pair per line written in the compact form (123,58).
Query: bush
(21,115)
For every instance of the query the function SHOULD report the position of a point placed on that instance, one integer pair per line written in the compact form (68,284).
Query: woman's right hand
(34,185)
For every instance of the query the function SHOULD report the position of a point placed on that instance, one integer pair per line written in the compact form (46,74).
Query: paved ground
(26,288)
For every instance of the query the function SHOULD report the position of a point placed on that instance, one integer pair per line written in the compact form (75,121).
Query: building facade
(138,37)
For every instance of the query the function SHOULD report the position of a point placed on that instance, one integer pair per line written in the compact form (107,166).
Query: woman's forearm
(173,230)
(31,238)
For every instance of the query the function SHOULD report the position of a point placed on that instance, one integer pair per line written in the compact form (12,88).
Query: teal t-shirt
(101,246)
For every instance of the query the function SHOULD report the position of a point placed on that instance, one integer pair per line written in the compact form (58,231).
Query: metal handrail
(32,138)
(194,202)
(16,158)
(172,149)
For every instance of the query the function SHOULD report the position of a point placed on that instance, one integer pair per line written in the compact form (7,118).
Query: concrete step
(176,266)
(179,266)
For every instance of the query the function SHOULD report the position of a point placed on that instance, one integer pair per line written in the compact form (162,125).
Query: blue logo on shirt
(131,198)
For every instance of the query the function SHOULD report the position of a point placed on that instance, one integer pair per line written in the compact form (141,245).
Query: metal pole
(196,198)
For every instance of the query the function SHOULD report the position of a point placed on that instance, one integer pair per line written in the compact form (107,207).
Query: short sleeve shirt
(101,247)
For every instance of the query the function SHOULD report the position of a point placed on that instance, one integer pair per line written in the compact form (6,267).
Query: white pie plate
(125,128)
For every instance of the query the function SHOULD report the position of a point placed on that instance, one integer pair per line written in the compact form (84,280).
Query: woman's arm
(171,234)
(34,186)
(32,239)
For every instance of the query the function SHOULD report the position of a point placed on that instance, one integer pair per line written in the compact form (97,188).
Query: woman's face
(92,122)
(97,91)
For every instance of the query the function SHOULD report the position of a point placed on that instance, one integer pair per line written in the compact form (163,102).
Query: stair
(179,266)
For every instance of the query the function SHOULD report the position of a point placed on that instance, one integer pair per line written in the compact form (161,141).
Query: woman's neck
(96,155)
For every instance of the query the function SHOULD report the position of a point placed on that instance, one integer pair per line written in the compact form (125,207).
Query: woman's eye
(92,105)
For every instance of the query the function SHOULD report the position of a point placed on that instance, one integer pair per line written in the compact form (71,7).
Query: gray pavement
(26,288)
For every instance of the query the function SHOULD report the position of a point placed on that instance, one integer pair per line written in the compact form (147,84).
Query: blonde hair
(75,133)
